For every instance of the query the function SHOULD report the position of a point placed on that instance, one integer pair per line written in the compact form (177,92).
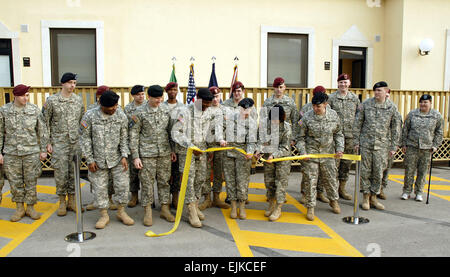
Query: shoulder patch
(300,123)
(134,118)
(84,124)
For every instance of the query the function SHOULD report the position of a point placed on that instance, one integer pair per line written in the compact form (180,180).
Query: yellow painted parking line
(46,189)
(17,231)
(334,245)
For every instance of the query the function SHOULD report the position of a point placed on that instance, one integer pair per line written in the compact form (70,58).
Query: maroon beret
(343,76)
(237,85)
(101,90)
(214,90)
(171,85)
(20,90)
(278,81)
(319,89)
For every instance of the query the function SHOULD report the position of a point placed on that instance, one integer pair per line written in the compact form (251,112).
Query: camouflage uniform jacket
(92,106)
(346,107)
(423,131)
(22,131)
(173,112)
(232,106)
(215,132)
(283,147)
(62,116)
(130,110)
(240,133)
(320,134)
(376,126)
(150,135)
(191,128)
(288,104)
(104,138)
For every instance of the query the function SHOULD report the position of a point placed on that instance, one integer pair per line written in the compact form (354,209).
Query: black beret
(319,98)
(246,103)
(205,94)
(425,97)
(109,98)
(281,112)
(136,89)
(155,91)
(67,77)
(381,84)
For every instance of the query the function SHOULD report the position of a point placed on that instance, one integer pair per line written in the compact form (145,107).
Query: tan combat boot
(382,195)
(193,217)
(134,200)
(342,193)
(233,213)
(374,202)
(322,198)
(206,203)
(32,213)
(310,214)
(103,220)
(200,215)
(219,203)
(276,213)
(71,205)
(335,206)
(123,216)
(62,209)
(270,208)
(112,206)
(242,213)
(20,212)
(148,221)
(91,207)
(365,202)
(165,213)
(175,196)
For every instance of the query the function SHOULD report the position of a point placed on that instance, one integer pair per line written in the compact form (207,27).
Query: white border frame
(46,57)
(5,33)
(352,43)
(265,30)
(447,63)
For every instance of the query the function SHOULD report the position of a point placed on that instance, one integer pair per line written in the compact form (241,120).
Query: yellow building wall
(393,41)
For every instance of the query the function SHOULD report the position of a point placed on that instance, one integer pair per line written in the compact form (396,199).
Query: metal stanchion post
(356,219)
(79,236)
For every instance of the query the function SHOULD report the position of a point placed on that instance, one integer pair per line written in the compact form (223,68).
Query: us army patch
(84,124)
(133,121)
(300,123)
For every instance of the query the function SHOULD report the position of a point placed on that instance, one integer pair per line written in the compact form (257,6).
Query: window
(74,50)
(6,69)
(352,60)
(287,56)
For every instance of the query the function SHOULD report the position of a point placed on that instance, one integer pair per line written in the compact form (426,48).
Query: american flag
(191,86)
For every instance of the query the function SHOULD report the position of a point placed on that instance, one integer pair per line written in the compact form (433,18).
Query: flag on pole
(173,78)
(213,79)
(191,86)
(234,79)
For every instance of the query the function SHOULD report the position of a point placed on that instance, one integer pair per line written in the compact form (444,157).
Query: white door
(5,71)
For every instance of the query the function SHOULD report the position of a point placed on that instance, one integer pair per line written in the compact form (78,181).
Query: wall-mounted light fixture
(425,46)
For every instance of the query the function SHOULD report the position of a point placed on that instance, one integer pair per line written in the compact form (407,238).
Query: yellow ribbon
(187,166)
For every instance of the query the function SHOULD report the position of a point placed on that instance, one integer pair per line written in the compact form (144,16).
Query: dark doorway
(352,60)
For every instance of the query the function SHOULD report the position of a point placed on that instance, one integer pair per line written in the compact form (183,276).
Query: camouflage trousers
(175,176)
(237,177)
(134,176)
(196,178)
(416,160)
(326,169)
(384,181)
(155,169)
(216,166)
(100,180)
(343,166)
(2,182)
(304,177)
(110,185)
(276,177)
(62,164)
(373,163)
(22,173)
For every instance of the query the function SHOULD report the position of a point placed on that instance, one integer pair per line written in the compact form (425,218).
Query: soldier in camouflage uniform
(321,133)
(23,140)
(2,182)
(190,129)
(421,136)
(241,132)
(104,144)
(320,190)
(375,120)
(216,164)
(92,206)
(138,94)
(174,107)
(152,153)
(62,113)
(276,144)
